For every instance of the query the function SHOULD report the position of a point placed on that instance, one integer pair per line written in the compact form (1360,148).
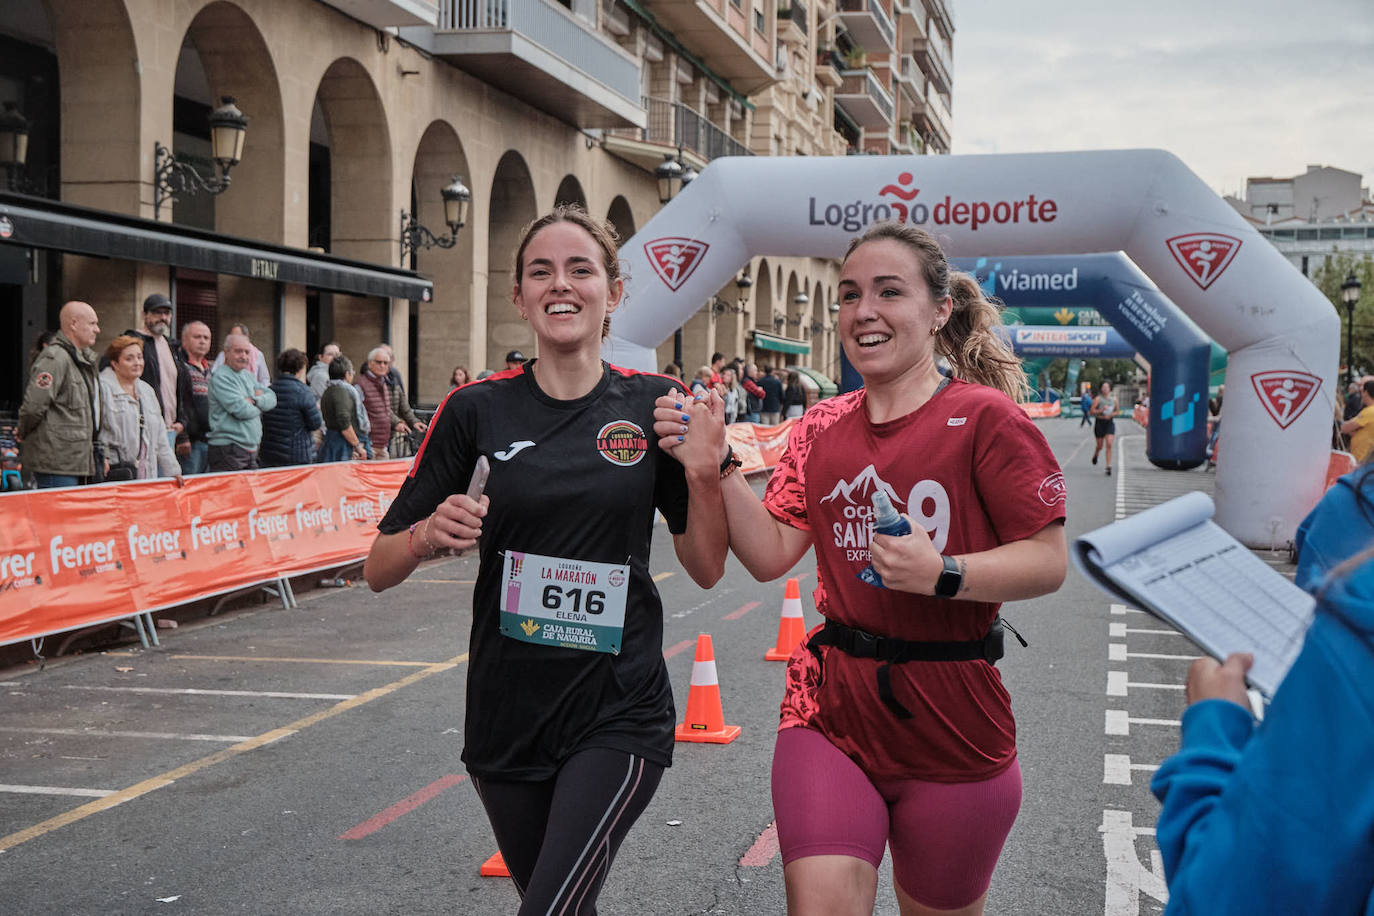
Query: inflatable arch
(1282,334)
(1152,325)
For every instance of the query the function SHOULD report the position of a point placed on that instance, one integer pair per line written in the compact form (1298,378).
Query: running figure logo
(901,191)
(1204,256)
(674,259)
(1285,393)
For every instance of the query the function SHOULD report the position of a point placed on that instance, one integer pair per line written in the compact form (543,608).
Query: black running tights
(559,836)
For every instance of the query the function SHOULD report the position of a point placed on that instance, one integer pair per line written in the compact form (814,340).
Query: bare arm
(1027,568)
(1349,426)
(455,524)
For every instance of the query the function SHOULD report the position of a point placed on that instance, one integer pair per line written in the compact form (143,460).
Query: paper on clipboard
(1175,562)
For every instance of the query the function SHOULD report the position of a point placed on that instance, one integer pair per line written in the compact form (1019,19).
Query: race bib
(573,604)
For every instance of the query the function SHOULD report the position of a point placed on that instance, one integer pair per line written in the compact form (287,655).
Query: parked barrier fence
(81,556)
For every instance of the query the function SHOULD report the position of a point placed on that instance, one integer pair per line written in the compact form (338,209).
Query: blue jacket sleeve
(1280,818)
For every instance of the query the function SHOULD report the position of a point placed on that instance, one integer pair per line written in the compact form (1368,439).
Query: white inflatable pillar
(1281,332)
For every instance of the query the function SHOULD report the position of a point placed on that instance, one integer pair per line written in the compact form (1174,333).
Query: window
(1304,265)
(758,21)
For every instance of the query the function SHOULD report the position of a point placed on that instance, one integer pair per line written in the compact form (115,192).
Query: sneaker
(1109,472)
(1094,458)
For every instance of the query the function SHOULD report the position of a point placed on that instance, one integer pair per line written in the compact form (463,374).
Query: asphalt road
(306,760)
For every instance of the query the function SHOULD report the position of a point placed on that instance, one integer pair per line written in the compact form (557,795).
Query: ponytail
(968,342)
(974,352)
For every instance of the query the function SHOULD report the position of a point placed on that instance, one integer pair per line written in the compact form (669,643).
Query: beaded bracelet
(410,542)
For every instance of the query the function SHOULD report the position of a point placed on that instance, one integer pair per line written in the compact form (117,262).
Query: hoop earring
(935,330)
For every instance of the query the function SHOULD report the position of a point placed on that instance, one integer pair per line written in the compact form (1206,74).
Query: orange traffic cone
(705,721)
(791,629)
(495,867)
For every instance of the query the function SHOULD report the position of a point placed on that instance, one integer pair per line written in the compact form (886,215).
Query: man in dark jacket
(60,414)
(771,411)
(287,428)
(160,367)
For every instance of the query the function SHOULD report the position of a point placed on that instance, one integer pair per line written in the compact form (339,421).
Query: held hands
(692,430)
(907,563)
(1208,680)
(456,523)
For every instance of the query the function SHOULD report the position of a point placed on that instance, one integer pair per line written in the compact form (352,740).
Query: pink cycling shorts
(945,837)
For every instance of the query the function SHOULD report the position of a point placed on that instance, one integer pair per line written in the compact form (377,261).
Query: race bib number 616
(554,601)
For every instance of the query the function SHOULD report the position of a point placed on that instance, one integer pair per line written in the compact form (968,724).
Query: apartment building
(332,222)
(1307,217)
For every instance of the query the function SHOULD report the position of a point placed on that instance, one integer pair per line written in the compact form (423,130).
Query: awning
(766,341)
(34,222)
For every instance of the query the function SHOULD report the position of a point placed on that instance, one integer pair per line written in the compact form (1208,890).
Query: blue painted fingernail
(678,405)
(681,438)
(686,419)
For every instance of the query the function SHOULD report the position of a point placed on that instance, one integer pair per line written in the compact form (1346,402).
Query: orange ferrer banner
(759,447)
(1040,409)
(76,557)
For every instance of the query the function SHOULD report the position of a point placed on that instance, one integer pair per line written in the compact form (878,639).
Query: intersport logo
(900,202)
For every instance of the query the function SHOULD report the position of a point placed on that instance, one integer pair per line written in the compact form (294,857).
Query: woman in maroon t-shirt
(896,729)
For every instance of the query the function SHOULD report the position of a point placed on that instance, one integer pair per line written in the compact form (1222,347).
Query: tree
(1328,278)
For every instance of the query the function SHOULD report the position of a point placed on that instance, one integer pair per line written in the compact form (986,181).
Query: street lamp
(14,139)
(742,284)
(1350,294)
(172,178)
(457,200)
(669,174)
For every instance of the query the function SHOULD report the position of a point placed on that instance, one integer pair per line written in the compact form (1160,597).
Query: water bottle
(885,521)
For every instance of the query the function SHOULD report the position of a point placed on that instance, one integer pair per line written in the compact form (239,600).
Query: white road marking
(1120,630)
(101,733)
(194,691)
(1122,609)
(1127,878)
(1116,769)
(1119,722)
(57,790)
(1116,652)
(1118,684)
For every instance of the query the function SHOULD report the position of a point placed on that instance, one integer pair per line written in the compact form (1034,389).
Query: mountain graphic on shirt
(862,487)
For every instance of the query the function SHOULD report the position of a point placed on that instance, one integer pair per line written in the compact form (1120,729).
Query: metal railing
(864,82)
(875,9)
(674,124)
(553,28)
(793,11)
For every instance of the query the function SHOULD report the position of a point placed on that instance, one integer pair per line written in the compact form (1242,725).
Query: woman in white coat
(131,427)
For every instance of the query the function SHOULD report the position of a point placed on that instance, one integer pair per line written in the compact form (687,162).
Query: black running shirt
(577,479)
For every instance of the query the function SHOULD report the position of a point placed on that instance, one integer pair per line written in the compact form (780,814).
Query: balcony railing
(550,26)
(872,29)
(674,124)
(933,55)
(793,12)
(865,99)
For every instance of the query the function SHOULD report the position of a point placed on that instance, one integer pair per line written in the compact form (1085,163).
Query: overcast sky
(1235,88)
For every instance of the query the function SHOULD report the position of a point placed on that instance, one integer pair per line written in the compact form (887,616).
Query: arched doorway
(440,330)
(512,207)
(223,54)
(570,192)
(351,197)
(621,218)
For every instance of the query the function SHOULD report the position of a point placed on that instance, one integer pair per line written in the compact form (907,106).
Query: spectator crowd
(149,406)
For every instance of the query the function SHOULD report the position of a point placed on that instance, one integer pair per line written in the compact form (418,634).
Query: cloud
(1058,79)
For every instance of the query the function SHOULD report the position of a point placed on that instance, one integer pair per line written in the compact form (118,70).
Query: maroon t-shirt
(971,468)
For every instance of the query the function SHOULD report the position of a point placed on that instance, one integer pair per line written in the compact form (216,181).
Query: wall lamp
(801,299)
(457,201)
(719,306)
(14,148)
(673,175)
(173,178)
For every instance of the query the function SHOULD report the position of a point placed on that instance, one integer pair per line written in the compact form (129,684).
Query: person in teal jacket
(237,402)
(1278,818)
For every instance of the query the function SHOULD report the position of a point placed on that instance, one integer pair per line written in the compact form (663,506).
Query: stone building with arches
(359,110)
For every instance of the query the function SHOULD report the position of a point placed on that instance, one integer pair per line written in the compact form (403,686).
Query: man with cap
(514,359)
(160,368)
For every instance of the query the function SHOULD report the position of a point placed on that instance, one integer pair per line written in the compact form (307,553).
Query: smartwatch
(947,586)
